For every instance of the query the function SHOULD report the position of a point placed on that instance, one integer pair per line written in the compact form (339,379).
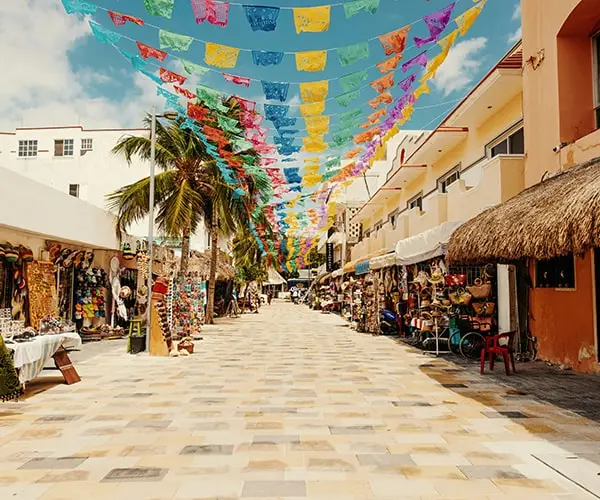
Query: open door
(597,298)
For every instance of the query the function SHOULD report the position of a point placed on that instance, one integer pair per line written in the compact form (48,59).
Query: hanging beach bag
(460,297)
(480,290)
(455,279)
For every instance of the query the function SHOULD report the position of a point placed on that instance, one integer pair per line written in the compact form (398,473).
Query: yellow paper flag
(221,56)
(314,108)
(314,144)
(312,19)
(314,91)
(467,18)
(315,60)
(422,89)
(446,44)
(317,125)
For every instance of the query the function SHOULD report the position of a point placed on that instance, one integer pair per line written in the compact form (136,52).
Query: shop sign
(329,257)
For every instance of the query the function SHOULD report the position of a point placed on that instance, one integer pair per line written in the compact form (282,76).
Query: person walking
(269,296)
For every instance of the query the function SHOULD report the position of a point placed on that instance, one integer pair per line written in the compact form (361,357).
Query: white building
(79,162)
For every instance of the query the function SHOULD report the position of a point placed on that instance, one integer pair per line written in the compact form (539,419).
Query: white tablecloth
(30,357)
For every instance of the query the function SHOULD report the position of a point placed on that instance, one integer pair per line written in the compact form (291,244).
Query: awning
(336,273)
(426,245)
(558,216)
(350,267)
(336,238)
(387,260)
(274,278)
(363,267)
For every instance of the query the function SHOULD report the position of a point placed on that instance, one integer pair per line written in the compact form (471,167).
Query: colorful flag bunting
(395,41)
(184,92)
(155,78)
(344,99)
(119,19)
(389,64)
(230,125)
(418,60)
(385,98)
(211,97)
(407,82)
(163,8)
(266,58)
(352,81)
(350,116)
(466,19)
(214,12)
(436,23)
(104,35)
(351,53)
(170,77)
(175,41)
(353,153)
(314,91)
(312,19)
(314,144)
(312,61)
(356,6)
(196,112)
(433,65)
(317,125)
(192,68)
(262,18)
(221,56)
(313,108)
(146,51)
(275,90)
(275,111)
(238,80)
(172,99)
(382,84)
(79,7)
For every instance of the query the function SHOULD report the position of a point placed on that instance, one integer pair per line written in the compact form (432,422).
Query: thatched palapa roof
(200,263)
(558,216)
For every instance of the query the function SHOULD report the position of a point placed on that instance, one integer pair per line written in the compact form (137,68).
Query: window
(558,272)
(28,148)
(416,201)
(596,44)
(512,144)
(449,178)
(74,190)
(393,218)
(63,147)
(87,144)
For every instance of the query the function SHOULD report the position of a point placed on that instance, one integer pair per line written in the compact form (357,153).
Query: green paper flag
(240,144)
(192,68)
(230,125)
(163,8)
(334,161)
(351,53)
(344,99)
(353,8)
(174,41)
(249,159)
(211,97)
(339,140)
(348,117)
(353,80)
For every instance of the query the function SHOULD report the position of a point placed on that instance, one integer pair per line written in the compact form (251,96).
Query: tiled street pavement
(291,403)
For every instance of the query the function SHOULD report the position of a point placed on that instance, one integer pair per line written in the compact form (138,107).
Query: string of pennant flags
(304,216)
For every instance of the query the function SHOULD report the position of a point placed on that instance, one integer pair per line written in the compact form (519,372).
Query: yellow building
(473,160)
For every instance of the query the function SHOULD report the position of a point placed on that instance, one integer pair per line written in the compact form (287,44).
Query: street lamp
(169,115)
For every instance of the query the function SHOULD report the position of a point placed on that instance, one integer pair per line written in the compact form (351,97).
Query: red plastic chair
(492,347)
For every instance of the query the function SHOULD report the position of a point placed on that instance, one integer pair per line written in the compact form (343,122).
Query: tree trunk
(214,241)
(185,251)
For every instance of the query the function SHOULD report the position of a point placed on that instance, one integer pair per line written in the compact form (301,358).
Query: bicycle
(233,310)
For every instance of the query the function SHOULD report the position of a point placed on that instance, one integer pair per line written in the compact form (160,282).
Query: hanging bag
(460,297)
(455,279)
(480,290)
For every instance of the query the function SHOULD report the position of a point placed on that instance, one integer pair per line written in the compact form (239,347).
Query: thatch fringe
(200,263)
(558,216)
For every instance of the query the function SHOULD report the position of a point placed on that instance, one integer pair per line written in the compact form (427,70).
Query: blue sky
(96,86)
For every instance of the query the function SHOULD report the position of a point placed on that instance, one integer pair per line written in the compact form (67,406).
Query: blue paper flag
(155,78)
(262,18)
(284,122)
(274,111)
(284,141)
(288,150)
(276,91)
(172,99)
(104,35)
(288,159)
(79,7)
(286,131)
(266,58)
(291,175)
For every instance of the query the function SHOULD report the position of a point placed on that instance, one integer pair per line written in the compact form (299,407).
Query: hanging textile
(314,91)
(314,144)
(104,35)
(395,41)
(79,7)
(407,82)
(353,8)
(313,108)
(238,80)
(385,98)
(192,68)
(436,23)
(174,41)
(433,65)
(312,61)
(352,81)
(214,12)
(221,56)
(261,18)
(266,58)
(184,92)
(351,53)
(163,8)
(389,64)
(146,51)
(230,125)
(466,19)
(418,60)
(312,19)
(275,90)
(120,19)
(317,125)
(344,99)
(211,97)
(170,77)
(382,84)
(196,112)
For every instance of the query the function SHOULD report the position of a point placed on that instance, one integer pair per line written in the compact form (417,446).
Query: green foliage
(314,258)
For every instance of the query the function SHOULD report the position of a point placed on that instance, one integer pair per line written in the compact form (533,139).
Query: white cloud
(517,12)
(41,88)
(461,66)
(515,37)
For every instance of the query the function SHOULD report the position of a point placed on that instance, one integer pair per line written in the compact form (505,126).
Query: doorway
(597,298)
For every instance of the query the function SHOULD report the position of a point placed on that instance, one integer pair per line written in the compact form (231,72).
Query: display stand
(436,308)
(158,343)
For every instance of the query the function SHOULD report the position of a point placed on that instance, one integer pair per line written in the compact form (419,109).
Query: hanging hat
(125,292)
(436,277)
(11,254)
(26,254)
(128,253)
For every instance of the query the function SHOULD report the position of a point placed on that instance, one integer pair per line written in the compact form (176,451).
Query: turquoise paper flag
(351,53)
(104,35)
